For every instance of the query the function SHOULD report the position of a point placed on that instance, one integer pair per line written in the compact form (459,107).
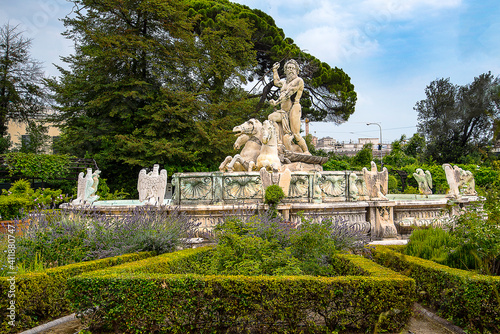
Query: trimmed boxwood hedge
(40,296)
(469,300)
(159,295)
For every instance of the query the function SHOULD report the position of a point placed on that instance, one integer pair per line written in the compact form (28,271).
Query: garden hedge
(40,296)
(160,295)
(469,300)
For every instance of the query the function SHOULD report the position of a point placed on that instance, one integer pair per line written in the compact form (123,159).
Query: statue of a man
(291,111)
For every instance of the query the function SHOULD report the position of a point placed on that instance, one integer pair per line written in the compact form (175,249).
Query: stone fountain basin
(416,197)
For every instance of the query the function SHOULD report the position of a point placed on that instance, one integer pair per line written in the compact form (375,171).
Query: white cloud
(403,9)
(335,45)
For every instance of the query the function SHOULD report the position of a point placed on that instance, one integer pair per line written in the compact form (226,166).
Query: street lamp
(380,147)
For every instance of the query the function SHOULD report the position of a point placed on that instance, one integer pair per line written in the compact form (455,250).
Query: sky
(391,49)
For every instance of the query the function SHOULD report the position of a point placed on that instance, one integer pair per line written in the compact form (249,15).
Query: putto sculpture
(152,186)
(87,187)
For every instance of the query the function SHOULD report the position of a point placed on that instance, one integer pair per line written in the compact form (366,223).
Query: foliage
(397,157)
(329,94)
(478,244)
(414,147)
(163,82)
(273,195)
(471,301)
(16,202)
(336,164)
(364,157)
(262,245)
(471,243)
(163,289)
(48,198)
(5,143)
(22,93)
(38,138)
(431,244)
(105,194)
(37,166)
(19,188)
(12,207)
(456,120)
(41,296)
(61,238)
(20,199)
(393,184)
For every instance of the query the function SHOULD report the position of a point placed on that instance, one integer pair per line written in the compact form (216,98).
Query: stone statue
(87,187)
(377,183)
(268,157)
(152,185)
(250,137)
(290,113)
(424,181)
(460,182)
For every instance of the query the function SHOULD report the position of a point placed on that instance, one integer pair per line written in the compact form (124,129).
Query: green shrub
(336,165)
(273,196)
(471,243)
(13,207)
(478,242)
(20,188)
(411,190)
(431,244)
(470,300)
(41,296)
(265,246)
(48,198)
(37,166)
(150,294)
(393,184)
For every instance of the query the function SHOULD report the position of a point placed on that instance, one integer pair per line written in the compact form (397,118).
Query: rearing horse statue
(268,157)
(250,137)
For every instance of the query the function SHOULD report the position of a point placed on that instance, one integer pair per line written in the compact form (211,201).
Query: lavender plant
(62,237)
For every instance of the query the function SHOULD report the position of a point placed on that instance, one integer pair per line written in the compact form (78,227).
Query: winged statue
(424,181)
(153,185)
(376,182)
(87,187)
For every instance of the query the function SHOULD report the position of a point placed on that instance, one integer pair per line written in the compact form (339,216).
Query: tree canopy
(456,120)
(22,93)
(162,81)
(329,94)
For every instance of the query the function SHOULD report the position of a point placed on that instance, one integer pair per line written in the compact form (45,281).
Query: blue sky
(391,49)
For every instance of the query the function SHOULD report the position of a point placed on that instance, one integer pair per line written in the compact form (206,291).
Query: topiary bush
(273,196)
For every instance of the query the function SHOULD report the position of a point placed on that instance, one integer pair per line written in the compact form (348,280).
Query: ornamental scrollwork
(242,187)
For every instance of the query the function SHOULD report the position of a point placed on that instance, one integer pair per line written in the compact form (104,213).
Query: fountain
(273,152)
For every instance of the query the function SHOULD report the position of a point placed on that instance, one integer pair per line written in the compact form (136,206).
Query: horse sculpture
(268,157)
(250,137)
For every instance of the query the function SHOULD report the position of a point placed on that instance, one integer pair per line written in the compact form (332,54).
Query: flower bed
(469,300)
(163,294)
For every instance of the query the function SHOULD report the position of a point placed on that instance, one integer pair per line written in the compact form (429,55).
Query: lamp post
(380,147)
